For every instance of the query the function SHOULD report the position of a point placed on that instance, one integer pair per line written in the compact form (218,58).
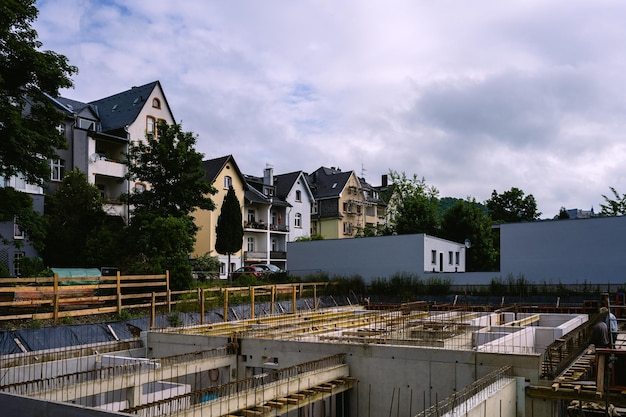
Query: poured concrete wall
(19,406)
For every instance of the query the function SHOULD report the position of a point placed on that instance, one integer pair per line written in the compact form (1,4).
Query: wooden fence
(55,298)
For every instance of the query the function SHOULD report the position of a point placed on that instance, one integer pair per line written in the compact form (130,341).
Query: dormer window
(268,191)
(156,103)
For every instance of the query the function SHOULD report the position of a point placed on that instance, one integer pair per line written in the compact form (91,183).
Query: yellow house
(344,206)
(221,173)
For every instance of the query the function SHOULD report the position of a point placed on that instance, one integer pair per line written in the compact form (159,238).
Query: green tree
(314,236)
(413,205)
(74,214)
(162,233)
(467,219)
(28,118)
(563,215)
(512,207)
(229,229)
(613,207)
(17,205)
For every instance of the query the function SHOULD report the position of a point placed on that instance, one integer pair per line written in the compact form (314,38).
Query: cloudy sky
(472,96)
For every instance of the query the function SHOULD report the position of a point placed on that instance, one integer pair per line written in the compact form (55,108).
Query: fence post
(119,293)
(315,297)
(251,302)
(152,311)
(169,294)
(273,299)
(225,304)
(201,305)
(55,297)
(294,291)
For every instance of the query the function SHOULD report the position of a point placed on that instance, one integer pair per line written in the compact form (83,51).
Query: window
(450,257)
(298,195)
(61,129)
(156,103)
(140,187)
(297,220)
(85,124)
(314,207)
(228,181)
(345,206)
(222,268)
(17,233)
(17,258)
(347,229)
(274,245)
(268,191)
(57,169)
(433,257)
(313,228)
(251,216)
(151,125)
(250,244)
(458,258)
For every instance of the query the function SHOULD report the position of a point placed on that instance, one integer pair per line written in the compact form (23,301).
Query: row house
(344,205)
(275,210)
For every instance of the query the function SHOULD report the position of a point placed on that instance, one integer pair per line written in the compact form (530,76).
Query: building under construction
(393,360)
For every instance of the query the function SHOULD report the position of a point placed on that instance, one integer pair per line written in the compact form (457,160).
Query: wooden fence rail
(45,298)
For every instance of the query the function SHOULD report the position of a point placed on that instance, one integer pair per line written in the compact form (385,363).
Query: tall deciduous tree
(413,205)
(229,227)
(28,119)
(162,233)
(512,207)
(467,219)
(74,214)
(614,206)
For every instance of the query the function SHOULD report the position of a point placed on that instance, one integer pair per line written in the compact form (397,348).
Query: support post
(152,311)
(201,299)
(251,302)
(294,291)
(119,293)
(273,299)
(225,304)
(169,293)
(55,290)
(315,297)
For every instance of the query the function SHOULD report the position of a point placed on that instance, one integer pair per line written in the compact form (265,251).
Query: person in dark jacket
(600,331)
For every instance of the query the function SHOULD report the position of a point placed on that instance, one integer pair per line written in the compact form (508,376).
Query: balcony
(279,228)
(109,168)
(255,225)
(278,254)
(254,256)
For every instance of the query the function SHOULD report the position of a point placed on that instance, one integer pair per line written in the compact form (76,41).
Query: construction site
(358,360)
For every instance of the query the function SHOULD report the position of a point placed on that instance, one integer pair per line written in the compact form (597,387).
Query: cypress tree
(229,227)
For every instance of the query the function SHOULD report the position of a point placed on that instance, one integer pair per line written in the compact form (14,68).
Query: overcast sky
(472,96)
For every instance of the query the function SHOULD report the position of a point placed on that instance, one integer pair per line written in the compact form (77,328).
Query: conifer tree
(229,227)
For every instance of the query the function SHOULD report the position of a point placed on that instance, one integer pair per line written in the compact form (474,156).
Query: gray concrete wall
(566,251)
(411,377)
(371,257)
(19,406)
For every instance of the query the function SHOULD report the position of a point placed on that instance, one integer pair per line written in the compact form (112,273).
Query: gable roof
(284,183)
(213,167)
(122,109)
(328,182)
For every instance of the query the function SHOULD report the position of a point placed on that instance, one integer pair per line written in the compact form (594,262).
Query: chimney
(268,176)
(384,180)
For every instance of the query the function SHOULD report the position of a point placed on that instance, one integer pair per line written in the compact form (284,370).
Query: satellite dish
(468,243)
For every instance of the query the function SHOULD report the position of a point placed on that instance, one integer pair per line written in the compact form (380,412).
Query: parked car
(270,268)
(248,270)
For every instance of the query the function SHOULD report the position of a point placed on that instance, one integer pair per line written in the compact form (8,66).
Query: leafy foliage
(27,77)
(413,205)
(466,219)
(314,236)
(18,205)
(512,207)
(33,267)
(613,207)
(162,232)
(73,213)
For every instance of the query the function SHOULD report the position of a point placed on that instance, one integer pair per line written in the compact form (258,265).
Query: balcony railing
(279,228)
(255,225)
(278,255)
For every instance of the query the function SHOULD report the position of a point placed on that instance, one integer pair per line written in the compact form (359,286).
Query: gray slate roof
(322,180)
(213,167)
(122,109)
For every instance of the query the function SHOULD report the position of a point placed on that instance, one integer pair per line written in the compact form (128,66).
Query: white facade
(299,214)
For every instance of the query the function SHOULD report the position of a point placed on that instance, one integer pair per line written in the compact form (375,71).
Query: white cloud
(473,97)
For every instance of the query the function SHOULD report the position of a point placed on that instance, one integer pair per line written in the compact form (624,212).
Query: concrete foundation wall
(19,406)
(160,345)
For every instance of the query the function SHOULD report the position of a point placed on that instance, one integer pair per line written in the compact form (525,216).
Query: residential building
(345,206)
(17,244)
(221,173)
(266,221)
(98,134)
(293,188)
